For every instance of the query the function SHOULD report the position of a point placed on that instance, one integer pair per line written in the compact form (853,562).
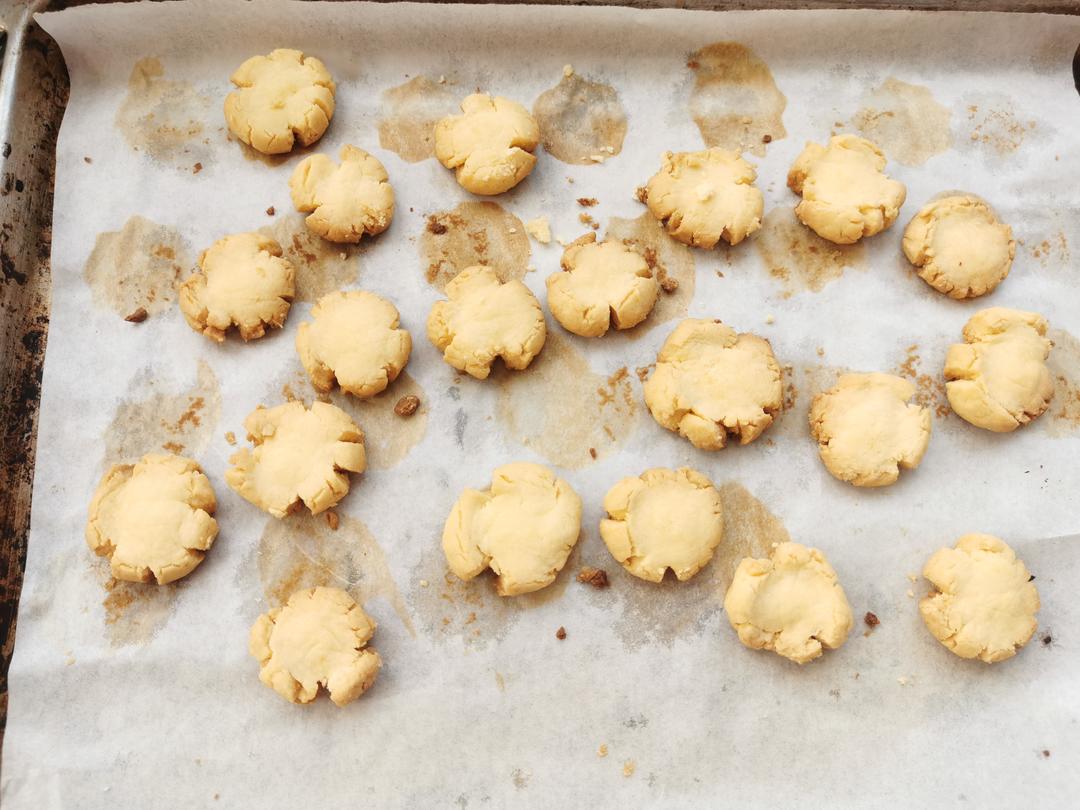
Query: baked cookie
(711,381)
(997,378)
(846,194)
(300,455)
(353,339)
(153,519)
(602,284)
(984,602)
(523,528)
(866,429)
(790,603)
(244,282)
(490,145)
(280,98)
(485,318)
(318,639)
(344,202)
(703,197)
(663,519)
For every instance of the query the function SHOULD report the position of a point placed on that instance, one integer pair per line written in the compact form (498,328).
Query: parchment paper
(149,699)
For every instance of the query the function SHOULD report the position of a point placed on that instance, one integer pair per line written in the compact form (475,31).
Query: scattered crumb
(770,319)
(641,194)
(568,71)
(570,180)
(911,594)
(138,316)
(196,168)
(587,202)
(332,520)
(643,371)
(628,768)
(719,274)
(668,284)
(602,750)
(871,619)
(538,229)
(820,351)
(1046,753)
(343,255)
(424,583)
(585,219)
(1047,640)
(530,269)
(766,138)
(88,159)
(913,577)
(560,634)
(597,577)
(434,226)
(906,680)
(270,211)
(230,437)
(442,80)
(407,405)
(69,661)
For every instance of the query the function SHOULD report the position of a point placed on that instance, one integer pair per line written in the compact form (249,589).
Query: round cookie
(485,318)
(344,202)
(703,197)
(866,430)
(354,340)
(846,194)
(997,379)
(153,519)
(959,246)
(244,282)
(523,528)
(318,639)
(663,519)
(790,603)
(280,98)
(984,602)
(602,284)
(301,455)
(711,381)
(490,145)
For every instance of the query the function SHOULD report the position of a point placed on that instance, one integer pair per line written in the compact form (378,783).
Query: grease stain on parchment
(473,233)
(1064,365)
(800,259)
(929,388)
(906,121)
(408,114)
(163,118)
(134,611)
(993,125)
(388,438)
(735,101)
(580,119)
(321,266)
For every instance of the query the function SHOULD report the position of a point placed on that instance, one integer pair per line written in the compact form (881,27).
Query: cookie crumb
(332,520)
(1047,640)
(196,168)
(442,80)
(587,202)
(820,351)
(871,619)
(628,768)
(770,319)
(1046,753)
(597,158)
(1031,578)
(530,269)
(539,229)
(88,159)
(230,437)
(766,138)
(669,285)
(597,577)
(641,194)
(602,750)
(569,180)
(568,71)
(560,634)
(585,219)
(592,452)
(424,583)
(719,274)
(407,405)
(911,594)
(270,211)
(435,227)
(913,577)
(138,316)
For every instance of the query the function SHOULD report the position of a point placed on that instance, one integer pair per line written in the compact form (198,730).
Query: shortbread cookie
(984,602)
(344,202)
(997,379)
(867,430)
(846,193)
(244,282)
(354,340)
(318,639)
(711,381)
(602,284)
(490,145)
(790,603)
(281,98)
(703,197)
(523,528)
(485,318)
(663,519)
(300,455)
(153,519)
(959,246)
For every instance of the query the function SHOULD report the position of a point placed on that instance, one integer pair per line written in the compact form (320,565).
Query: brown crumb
(560,634)
(766,138)
(592,452)
(407,405)
(587,202)
(138,316)
(641,194)
(820,351)
(585,219)
(628,768)
(270,211)
(1046,753)
(230,437)
(668,284)
(1047,640)
(332,520)
(597,577)
(88,159)
(434,226)
(602,750)
(871,619)
(693,64)
(196,168)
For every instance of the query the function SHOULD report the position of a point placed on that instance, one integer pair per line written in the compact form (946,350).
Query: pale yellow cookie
(791,603)
(318,639)
(984,602)
(959,246)
(485,318)
(490,145)
(244,282)
(711,381)
(153,519)
(523,528)
(663,519)
(846,194)
(703,197)
(344,202)
(280,98)
(355,340)
(997,379)
(867,430)
(300,455)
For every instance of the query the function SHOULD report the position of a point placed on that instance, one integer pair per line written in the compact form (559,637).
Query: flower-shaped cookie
(523,528)
(703,197)
(959,246)
(984,604)
(711,381)
(790,603)
(355,340)
(280,98)
(997,379)
(300,455)
(601,284)
(490,145)
(846,194)
(866,430)
(317,639)
(153,519)
(663,519)
(244,282)
(345,201)
(485,318)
